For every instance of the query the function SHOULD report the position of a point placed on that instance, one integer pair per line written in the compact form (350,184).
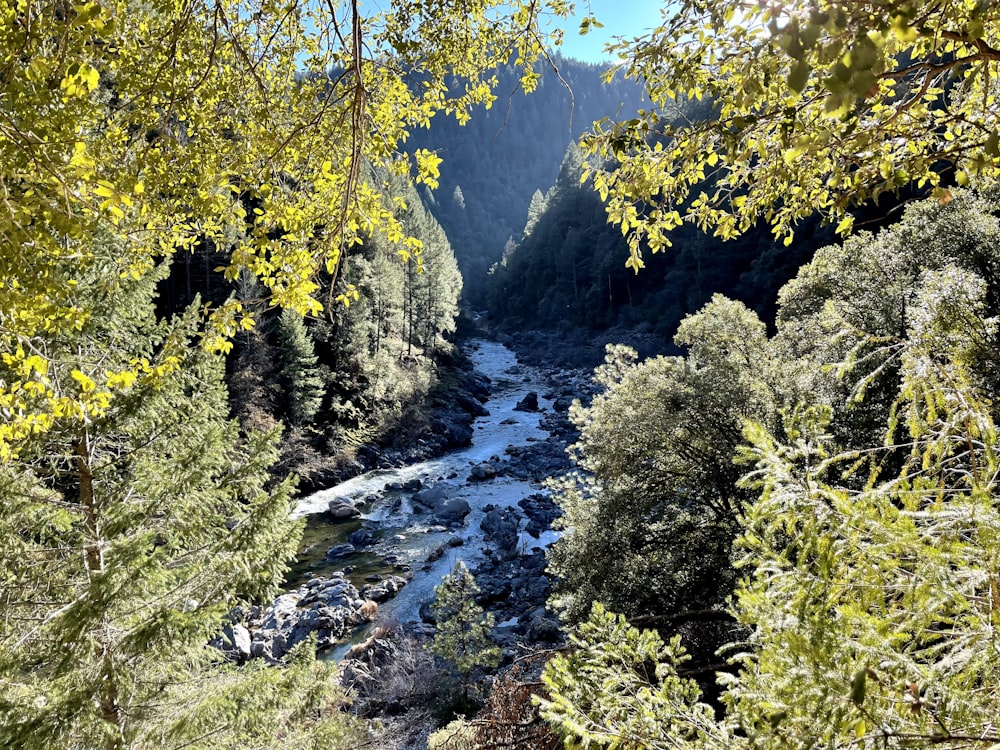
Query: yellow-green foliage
(246,124)
(809,106)
(457,735)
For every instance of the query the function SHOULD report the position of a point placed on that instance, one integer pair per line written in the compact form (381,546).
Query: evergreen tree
(458,198)
(127,531)
(650,521)
(303,382)
(869,546)
(535,209)
(463,629)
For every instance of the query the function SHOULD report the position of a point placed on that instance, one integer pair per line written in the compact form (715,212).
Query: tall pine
(126,537)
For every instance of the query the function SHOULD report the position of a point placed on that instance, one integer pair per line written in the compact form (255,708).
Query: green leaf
(859,686)
(799,76)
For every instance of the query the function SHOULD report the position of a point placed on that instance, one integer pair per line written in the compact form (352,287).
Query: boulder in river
(453,509)
(500,525)
(384,589)
(361,538)
(329,607)
(528,403)
(432,497)
(563,403)
(470,404)
(340,550)
(482,471)
(341,509)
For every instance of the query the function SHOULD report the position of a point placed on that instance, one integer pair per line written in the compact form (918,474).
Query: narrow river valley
(416,521)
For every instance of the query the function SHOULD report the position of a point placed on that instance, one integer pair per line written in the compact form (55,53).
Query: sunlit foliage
(247,125)
(816,105)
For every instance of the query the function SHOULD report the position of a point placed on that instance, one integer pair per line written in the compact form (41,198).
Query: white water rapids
(409,537)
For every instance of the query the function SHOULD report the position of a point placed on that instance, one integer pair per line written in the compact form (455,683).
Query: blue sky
(626,18)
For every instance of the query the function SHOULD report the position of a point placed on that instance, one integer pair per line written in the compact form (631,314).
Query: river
(405,537)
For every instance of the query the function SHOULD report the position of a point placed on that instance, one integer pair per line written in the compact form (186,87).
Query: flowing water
(406,536)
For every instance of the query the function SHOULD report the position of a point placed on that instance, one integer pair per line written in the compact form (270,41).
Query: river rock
(500,527)
(541,512)
(426,612)
(538,461)
(468,403)
(452,432)
(341,508)
(452,510)
(234,641)
(328,607)
(340,550)
(528,403)
(482,471)
(241,640)
(542,628)
(563,403)
(480,386)
(412,485)
(361,538)
(384,589)
(432,497)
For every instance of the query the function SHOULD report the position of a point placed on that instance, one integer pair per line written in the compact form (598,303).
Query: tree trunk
(107,701)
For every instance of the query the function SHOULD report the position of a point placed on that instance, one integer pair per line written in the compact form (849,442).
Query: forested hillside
(566,272)
(232,238)
(354,380)
(494,163)
(799,527)
(848,510)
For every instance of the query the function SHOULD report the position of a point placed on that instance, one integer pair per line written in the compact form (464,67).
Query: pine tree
(127,531)
(458,198)
(303,382)
(463,629)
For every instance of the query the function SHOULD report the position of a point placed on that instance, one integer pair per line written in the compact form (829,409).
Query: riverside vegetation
(784,537)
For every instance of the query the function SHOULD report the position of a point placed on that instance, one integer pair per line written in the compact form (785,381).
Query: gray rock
(562,403)
(383,590)
(468,403)
(453,509)
(482,471)
(528,403)
(341,508)
(330,608)
(500,525)
(340,550)
(361,538)
(241,640)
(432,497)
(544,630)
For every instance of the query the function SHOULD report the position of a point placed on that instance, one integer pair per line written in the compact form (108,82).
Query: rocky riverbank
(444,424)
(484,504)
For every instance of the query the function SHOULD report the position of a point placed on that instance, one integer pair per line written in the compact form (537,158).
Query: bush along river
(376,545)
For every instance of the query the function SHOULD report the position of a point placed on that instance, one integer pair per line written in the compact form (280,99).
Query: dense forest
(236,238)
(565,270)
(496,162)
